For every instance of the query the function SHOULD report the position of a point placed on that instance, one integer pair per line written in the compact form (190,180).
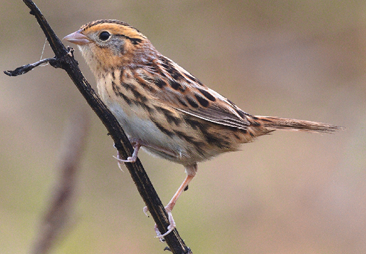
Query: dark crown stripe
(103,21)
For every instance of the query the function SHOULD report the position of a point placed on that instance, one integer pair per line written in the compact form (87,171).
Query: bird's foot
(171,226)
(136,144)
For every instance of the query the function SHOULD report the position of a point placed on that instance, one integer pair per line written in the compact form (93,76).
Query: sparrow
(163,108)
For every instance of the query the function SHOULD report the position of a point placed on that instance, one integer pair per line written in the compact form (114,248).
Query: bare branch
(65,60)
(28,67)
(61,203)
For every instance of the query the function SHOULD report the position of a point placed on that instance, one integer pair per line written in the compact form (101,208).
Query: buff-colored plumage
(164,108)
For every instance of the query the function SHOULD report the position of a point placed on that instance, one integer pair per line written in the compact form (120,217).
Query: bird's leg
(191,172)
(136,144)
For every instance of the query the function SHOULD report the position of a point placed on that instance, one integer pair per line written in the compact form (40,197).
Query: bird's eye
(104,35)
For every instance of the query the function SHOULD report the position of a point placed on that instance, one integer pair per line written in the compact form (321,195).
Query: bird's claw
(136,147)
(130,159)
(146,211)
(170,228)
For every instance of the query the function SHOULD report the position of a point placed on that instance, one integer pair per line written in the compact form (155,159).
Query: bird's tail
(275,123)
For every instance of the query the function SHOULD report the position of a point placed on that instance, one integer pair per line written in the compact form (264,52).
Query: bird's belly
(183,143)
(157,142)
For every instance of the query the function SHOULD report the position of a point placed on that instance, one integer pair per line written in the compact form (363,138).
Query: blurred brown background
(285,193)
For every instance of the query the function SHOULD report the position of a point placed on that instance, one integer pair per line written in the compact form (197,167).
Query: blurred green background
(289,192)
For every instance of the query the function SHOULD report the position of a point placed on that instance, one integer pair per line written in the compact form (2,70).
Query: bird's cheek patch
(117,47)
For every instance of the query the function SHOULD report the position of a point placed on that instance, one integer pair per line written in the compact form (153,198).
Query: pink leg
(191,172)
(136,147)
(136,144)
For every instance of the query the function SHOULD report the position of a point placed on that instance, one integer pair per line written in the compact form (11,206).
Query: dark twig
(28,67)
(65,60)
(61,203)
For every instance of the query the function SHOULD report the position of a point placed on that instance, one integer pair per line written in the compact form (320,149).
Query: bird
(163,108)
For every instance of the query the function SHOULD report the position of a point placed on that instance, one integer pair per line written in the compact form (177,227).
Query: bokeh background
(288,192)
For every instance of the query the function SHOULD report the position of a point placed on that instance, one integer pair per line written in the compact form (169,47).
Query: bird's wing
(183,92)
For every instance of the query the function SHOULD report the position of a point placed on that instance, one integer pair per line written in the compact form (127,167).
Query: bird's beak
(77,38)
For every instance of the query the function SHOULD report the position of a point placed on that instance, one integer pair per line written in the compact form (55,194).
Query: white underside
(147,132)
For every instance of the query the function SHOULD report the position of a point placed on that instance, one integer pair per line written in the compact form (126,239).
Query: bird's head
(106,44)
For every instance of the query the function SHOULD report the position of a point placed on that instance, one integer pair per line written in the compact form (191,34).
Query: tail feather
(275,123)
